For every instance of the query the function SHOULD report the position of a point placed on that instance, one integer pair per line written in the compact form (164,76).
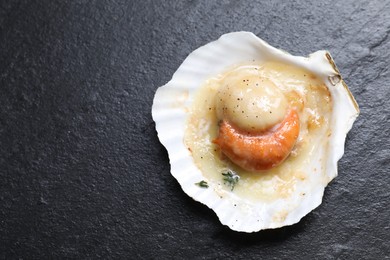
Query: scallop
(253,132)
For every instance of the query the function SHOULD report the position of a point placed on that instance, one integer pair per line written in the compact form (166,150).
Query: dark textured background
(83,174)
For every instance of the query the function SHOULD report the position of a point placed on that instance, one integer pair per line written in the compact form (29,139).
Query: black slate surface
(82,173)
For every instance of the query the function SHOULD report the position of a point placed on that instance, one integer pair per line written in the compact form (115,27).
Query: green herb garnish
(202,184)
(230,178)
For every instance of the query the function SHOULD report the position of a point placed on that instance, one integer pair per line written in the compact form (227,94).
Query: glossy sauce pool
(303,91)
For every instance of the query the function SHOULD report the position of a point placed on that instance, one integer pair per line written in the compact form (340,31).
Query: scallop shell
(170,110)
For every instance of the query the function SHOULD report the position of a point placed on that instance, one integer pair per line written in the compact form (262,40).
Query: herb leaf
(230,178)
(202,184)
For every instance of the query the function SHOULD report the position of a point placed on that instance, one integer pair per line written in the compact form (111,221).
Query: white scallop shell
(170,110)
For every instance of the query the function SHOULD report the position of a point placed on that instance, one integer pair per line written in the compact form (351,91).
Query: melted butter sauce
(303,91)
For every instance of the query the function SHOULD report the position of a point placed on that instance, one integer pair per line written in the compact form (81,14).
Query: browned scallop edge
(333,64)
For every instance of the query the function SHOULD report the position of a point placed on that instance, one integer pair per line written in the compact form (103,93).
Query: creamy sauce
(301,90)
